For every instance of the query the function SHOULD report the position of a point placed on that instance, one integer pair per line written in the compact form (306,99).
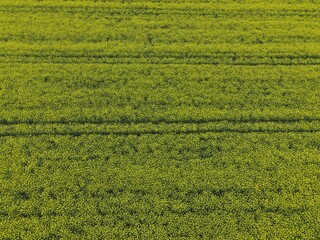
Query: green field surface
(159,119)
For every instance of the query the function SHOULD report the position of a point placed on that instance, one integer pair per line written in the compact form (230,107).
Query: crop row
(126,53)
(160,128)
(199,60)
(165,36)
(151,30)
(116,187)
(231,6)
(147,93)
(216,13)
(137,49)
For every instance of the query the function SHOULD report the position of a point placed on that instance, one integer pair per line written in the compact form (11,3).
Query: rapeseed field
(159,119)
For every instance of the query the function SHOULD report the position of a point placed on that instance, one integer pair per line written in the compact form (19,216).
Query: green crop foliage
(149,119)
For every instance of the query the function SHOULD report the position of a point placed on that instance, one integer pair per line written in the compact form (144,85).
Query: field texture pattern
(185,119)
